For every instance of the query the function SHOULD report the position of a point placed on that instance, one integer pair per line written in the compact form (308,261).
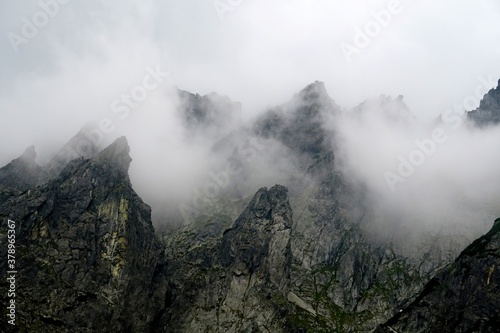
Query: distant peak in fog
(314,90)
(212,114)
(488,112)
(393,110)
(23,172)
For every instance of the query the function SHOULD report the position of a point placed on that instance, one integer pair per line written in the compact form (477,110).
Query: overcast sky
(85,54)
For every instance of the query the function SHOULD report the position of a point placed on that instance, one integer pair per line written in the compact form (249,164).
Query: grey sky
(90,52)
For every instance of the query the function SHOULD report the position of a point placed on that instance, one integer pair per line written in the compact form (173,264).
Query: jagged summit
(300,123)
(268,203)
(488,112)
(80,145)
(89,249)
(212,113)
(240,282)
(29,155)
(314,91)
(392,109)
(297,260)
(313,98)
(116,154)
(23,172)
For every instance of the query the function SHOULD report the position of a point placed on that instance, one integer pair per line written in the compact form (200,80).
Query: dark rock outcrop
(339,281)
(463,297)
(259,239)
(488,112)
(86,251)
(89,259)
(235,281)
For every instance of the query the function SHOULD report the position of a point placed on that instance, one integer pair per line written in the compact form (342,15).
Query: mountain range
(306,251)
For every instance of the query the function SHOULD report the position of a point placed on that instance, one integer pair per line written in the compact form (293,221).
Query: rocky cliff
(233,280)
(463,297)
(296,257)
(338,279)
(86,250)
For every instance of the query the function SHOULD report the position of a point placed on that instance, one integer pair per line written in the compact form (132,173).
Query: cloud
(93,52)
(418,181)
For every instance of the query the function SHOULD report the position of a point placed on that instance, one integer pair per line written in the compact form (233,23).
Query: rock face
(292,258)
(86,250)
(463,297)
(488,112)
(235,281)
(338,280)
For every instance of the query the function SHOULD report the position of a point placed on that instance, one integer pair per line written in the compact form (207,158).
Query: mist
(434,177)
(78,66)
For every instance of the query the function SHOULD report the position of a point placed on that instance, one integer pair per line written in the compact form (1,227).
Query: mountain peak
(80,145)
(29,155)
(313,101)
(116,154)
(212,113)
(266,224)
(267,203)
(488,112)
(314,90)
(22,173)
(394,110)
(96,236)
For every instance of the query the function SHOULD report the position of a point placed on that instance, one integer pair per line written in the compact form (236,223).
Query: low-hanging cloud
(92,53)
(433,177)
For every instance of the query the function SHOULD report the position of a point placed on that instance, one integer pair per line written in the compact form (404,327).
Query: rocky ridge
(86,250)
(295,260)
(463,297)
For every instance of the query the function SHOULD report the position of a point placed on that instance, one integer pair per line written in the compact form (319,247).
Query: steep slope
(488,112)
(464,297)
(351,283)
(234,280)
(86,250)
